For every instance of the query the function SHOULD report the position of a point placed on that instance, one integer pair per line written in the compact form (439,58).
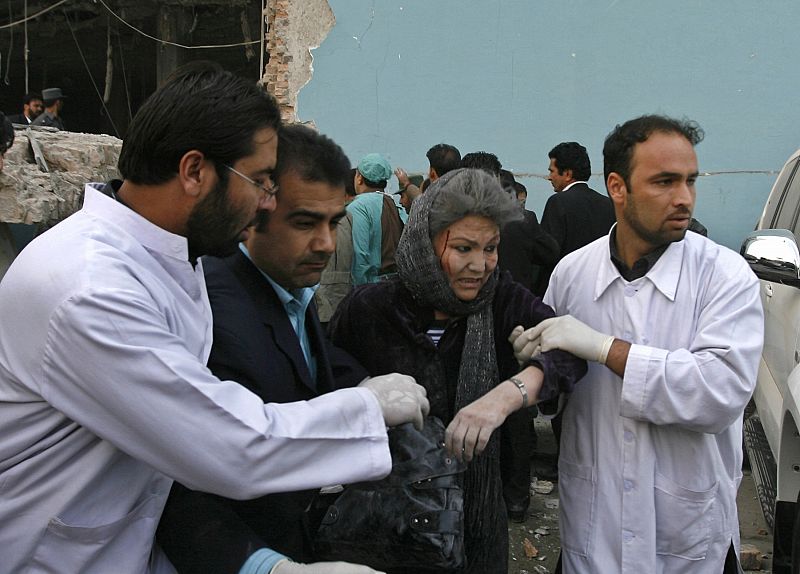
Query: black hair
(28,98)
(443,158)
(519,188)
(313,156)
(572,155)
(486,161)
(199,107)
(350,184)
(619,144)
(507,179)
(6,134)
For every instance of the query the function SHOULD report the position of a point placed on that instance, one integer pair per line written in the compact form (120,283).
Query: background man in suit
(267,336)
(31,108)
(576,214)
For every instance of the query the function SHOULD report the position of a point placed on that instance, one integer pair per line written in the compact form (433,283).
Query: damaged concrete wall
(31,196)
(295,28)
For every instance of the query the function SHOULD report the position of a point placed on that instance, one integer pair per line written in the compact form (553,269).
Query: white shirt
(650,463)
(573,183)
(105,328)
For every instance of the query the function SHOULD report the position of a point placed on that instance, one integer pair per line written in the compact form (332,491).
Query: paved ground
(534,544)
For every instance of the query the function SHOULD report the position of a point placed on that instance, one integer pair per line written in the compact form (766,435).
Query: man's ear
(432,175)
(196,173)
(568,174)
(617,190)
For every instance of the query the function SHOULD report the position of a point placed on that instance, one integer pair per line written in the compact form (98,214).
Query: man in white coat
(105,329)
(651,450)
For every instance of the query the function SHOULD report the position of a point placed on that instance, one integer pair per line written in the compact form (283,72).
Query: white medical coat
(105,328)
(650,463)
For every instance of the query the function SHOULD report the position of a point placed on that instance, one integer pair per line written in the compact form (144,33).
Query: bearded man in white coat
(651,450)
(105,330)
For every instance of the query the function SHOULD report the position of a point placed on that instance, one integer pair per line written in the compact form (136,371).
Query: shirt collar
(301,296)
(664,273)
(573,183)
(150,235)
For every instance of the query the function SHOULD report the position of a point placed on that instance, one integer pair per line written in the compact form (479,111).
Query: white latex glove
(565,333)
(402,400)
(286,566)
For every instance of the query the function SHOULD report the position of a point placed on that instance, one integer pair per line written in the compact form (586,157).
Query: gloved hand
(402,400)
(565,333)
(286,566)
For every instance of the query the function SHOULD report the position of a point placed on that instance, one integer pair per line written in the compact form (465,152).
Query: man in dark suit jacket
(576,214)
(32,106)
(267,336)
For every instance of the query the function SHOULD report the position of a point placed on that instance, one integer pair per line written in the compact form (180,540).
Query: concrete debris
(542,530)
(530,550)
(30,196)
(542,486)
(551,503)
(750,557)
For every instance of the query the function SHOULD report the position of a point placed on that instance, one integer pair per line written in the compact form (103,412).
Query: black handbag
(412,519)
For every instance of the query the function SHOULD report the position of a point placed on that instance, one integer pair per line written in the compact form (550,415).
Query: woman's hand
(468,433)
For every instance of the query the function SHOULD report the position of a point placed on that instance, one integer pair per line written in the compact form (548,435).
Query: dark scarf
(421,273)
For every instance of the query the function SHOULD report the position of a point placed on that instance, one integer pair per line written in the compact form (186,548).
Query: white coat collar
(664,275)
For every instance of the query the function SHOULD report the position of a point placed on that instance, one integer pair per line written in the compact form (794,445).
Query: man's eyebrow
(305,213)
(672,175)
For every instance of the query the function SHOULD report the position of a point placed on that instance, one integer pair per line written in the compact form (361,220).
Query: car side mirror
(773,256)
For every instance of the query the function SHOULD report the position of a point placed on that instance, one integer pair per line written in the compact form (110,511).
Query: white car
(771,435)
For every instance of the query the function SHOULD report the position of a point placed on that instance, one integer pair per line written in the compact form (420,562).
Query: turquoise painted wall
(516,77)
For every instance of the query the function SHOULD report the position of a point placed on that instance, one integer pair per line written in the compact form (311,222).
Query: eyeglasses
(269,192)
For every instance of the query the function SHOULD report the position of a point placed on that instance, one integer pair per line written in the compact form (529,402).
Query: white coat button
(628,485)
(627,536)
(630,291)
(628,436)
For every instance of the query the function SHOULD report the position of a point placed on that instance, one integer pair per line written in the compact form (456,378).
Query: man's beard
(214,225)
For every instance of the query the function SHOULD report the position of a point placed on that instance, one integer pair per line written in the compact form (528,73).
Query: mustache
(322,258)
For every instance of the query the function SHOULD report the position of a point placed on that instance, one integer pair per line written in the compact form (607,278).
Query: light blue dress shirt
(295,302)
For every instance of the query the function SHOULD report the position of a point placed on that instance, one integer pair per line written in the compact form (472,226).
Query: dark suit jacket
(525,248)
(254,344)
(18,119)
(575,218)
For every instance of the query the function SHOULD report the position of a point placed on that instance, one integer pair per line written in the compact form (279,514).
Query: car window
(786,210)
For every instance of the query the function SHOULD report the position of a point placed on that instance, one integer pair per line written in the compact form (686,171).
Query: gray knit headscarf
(422,274)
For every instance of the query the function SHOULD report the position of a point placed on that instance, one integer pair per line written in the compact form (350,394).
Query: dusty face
(294,243)
(656,207)
(220,219)
(467,252)
(558,180)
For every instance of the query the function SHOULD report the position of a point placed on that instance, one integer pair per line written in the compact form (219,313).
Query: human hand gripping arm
(569,334)
(401,399)
(468,433)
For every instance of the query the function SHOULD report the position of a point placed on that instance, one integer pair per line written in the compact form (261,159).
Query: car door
(781,302)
